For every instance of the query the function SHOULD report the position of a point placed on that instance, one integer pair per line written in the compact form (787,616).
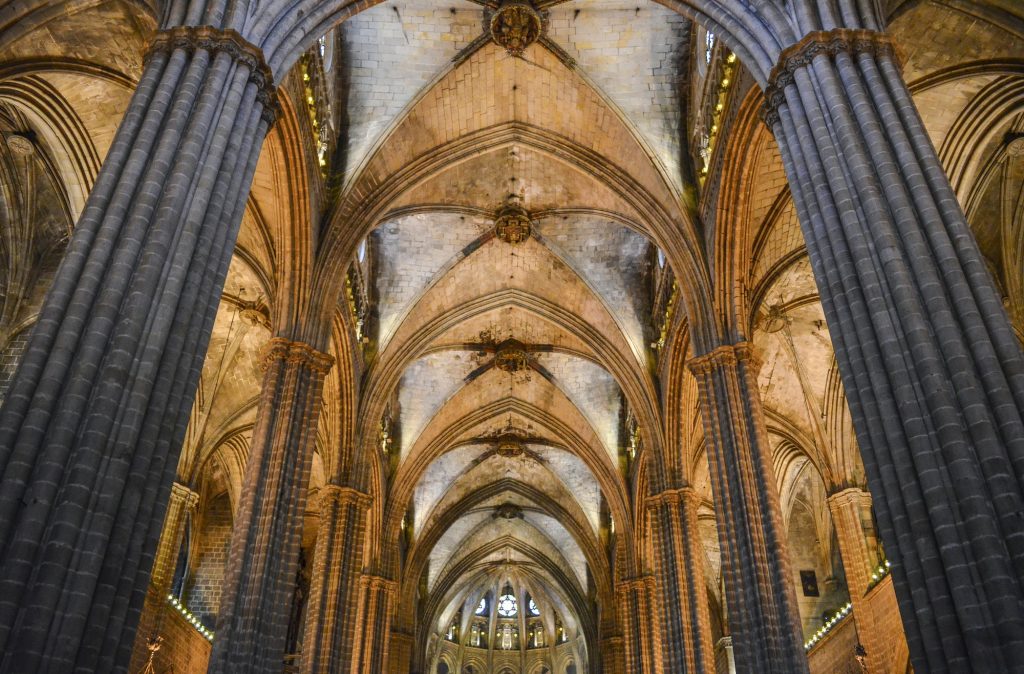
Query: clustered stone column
(376,604)
(181,504)
(686,623)
(93,422)
(763,613)
(931,366)
(400,659)
(255,606)
(640,639)
(330,633)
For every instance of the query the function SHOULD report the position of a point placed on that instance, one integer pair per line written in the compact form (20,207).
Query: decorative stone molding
(21,144)
(211,39)
(515,25)
(728,355)
(1014,146)
(510,446)
(299,353)
(511,357)
(332,493)
(673,497)
(380,583)
(508,511)
(512,222)
(817,43)
(182,494)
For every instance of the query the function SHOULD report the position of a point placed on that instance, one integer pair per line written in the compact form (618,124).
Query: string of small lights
(881,572)
(190,617)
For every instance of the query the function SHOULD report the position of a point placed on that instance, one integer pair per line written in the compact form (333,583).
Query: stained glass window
(533,607)
(507,606)
(709,46)
(482,608)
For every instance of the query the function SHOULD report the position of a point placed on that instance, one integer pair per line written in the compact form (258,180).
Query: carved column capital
(380,583)
(674,497)
(727,355)
(230,42)
(332,493)
(828,42)
(184,495)
(851,496)
(281,349)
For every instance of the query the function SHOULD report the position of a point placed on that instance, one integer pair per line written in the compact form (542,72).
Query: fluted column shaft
(92,425)
(400,660)
(255,607)
(932,369)
(376,604)
(613,659)
(334,587)
(686,620)
(763,614)
(640,638)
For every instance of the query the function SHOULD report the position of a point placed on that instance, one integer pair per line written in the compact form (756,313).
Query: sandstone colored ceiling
(447,295)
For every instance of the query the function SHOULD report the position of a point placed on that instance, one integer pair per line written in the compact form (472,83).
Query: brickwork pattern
(205,581)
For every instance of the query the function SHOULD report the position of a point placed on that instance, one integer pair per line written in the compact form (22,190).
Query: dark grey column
(93,422)
(763,614)
(256,604)
(932,369)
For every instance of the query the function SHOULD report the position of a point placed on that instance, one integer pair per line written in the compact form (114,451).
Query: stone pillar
(334,586)
(259,580)
(724,661)
(400,660)
(182,502)
(851,516)
(93,422)
(686,620)
(377,596)
(763,614)
(613,660)
(932,368)
(640,638)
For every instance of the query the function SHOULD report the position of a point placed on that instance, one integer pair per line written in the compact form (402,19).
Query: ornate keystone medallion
(510,446)
(20,144)
(515,26)
(512,223)
(508,511)
(511,357)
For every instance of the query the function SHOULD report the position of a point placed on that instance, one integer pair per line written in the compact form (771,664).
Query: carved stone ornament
(510,446)
(508,511)
(511,357)
(515,25)
(1015,147)
(512,223)
(230,42)
(20,144)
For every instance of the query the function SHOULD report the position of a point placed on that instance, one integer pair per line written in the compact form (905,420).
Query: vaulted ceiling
(506,370)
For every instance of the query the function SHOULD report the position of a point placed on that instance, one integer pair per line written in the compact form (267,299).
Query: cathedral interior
(519,337)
